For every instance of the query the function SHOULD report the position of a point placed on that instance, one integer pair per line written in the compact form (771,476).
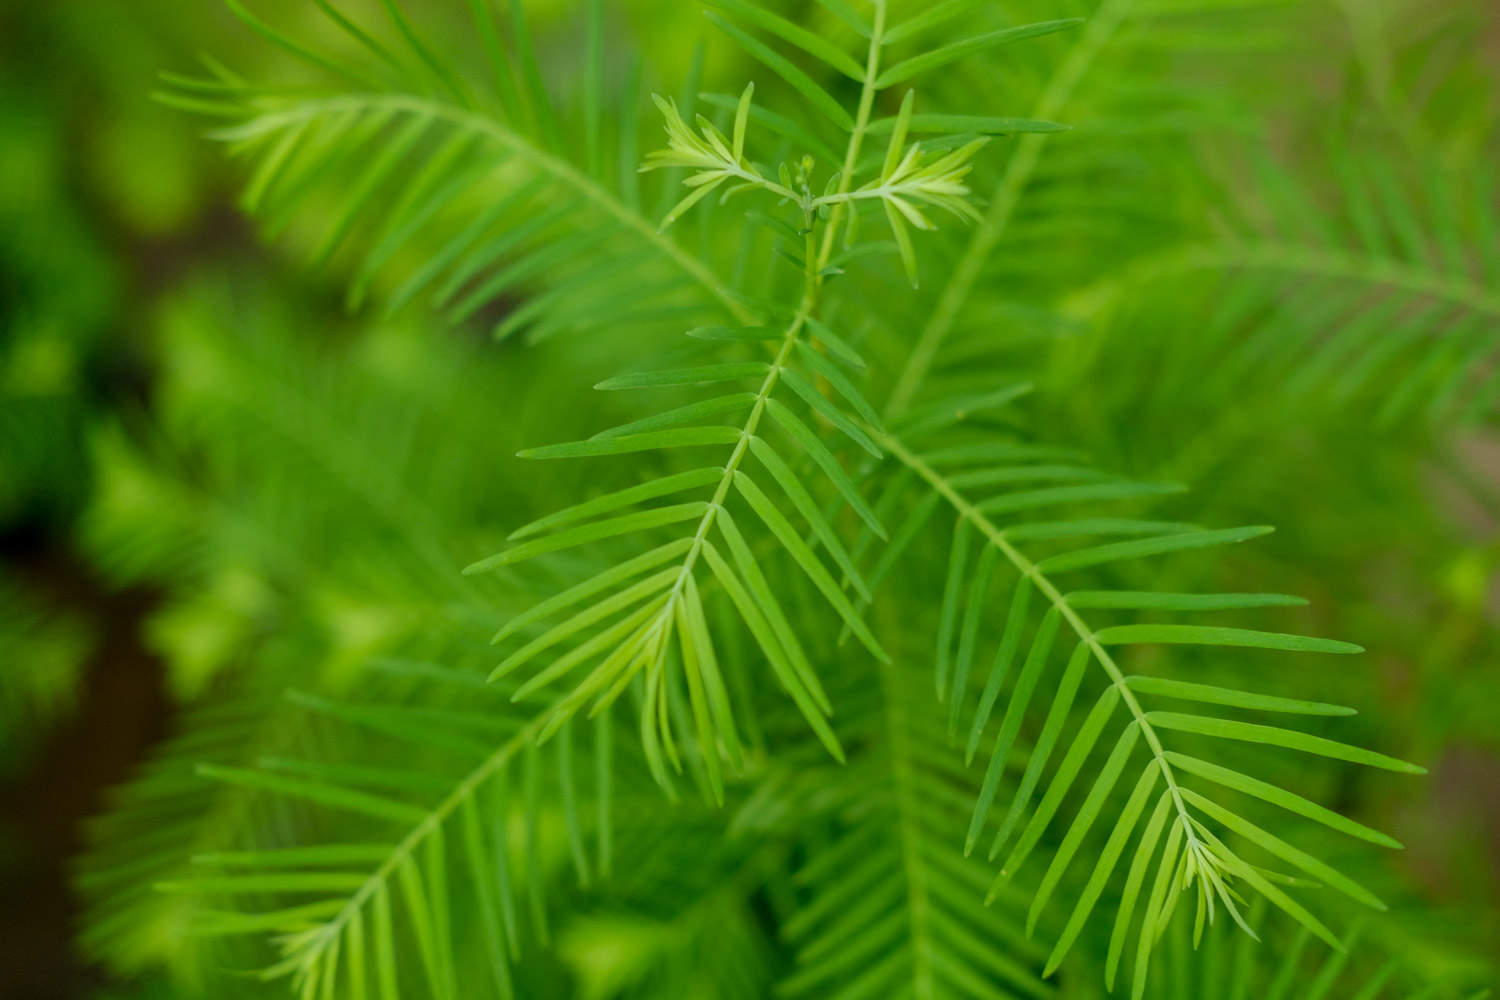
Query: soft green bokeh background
(124,265)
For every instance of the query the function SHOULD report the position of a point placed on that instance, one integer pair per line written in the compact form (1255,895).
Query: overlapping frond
(1011,500)
(681,918)
(154,824)
(275,504)
(460,192)
(656,628)
(388,440)
(449,827)
(645,616)
(898,51)
(1386,301)
(887,903)
(1107,193)
(898,48)
(1376,965)
(1358,280)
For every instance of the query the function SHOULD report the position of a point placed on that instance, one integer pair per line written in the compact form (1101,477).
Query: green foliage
(875,649)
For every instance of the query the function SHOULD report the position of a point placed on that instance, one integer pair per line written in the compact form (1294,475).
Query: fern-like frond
(155,823)
(1090,200)
(622,624)
(455,191)
(1022,166)
(301,510)
(901,177)
(880,36)
(657,626)
(888,904)
(446,842)
(1176,794)
(393,487)
(1389,299)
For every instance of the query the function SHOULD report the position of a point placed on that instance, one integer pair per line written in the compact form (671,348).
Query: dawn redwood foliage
(826,663)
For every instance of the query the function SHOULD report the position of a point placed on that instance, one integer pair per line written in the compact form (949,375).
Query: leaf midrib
(814,260)
(1085,633)
(424,827)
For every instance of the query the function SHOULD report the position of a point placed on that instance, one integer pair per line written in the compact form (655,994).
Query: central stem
(811,284)
(814,260)
(857,136)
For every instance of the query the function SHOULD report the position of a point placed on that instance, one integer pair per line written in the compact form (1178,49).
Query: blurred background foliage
(207,464)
